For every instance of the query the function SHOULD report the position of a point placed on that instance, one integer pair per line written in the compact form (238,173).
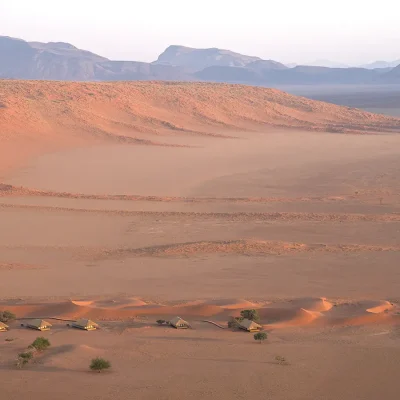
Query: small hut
(179,323)
(249,325)
(3,327)
(39,325)
(85,324)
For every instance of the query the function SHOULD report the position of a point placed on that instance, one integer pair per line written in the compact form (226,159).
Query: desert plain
(132,202)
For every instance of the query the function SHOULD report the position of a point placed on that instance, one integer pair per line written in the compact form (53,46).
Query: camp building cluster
(43,325)
(89,325)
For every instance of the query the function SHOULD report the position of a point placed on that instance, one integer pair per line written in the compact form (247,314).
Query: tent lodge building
(249,326)
(179,323)
(39,325)
(85,324)
(3,327)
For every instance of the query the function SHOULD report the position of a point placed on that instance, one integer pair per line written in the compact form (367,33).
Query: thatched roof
(178,321)
(39,324)
(249,325)
(3,326)
(85,324)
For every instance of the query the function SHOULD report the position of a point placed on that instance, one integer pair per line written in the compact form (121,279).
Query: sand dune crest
(380,308)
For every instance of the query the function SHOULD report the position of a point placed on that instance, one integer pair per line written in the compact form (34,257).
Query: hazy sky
(349,31)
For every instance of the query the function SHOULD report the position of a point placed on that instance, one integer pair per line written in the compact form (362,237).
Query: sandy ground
(303,226)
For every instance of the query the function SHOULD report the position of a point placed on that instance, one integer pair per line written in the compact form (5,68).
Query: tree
(252,315)
(160,321)
(40,344)
(6,316)
(24,358)
(99,364)
(260,336)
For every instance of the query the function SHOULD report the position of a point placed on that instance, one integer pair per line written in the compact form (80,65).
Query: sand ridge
(274,315)
(104,110)
(284,216)
(244,247)
(7,190)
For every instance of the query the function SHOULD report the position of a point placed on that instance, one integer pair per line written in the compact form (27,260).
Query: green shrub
(40,344)
(260,336)
(234,322)
(252,315)
(6,316)
(24,358)
(99,364)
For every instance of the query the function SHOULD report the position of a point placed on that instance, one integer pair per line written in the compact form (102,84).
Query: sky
(300,31)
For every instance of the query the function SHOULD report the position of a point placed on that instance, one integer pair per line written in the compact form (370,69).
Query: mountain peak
(198,59)
(53,45)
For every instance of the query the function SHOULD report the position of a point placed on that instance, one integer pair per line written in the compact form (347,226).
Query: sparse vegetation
(99,364)
(24,358)
(161,322)
(9,339)
(252,315)
(260,336)
(234,322)
(281,360)
(40,344)
(7,316)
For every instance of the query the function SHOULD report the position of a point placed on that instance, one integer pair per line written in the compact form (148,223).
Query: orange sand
(240,199)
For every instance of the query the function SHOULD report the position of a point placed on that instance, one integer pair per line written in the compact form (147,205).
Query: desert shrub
(99,364)
(6,316)
(40,344)
(234,322)
(24,358)
(260,336)
(5,188)
(161,321)
(281,360)
(252,315)
(9,339)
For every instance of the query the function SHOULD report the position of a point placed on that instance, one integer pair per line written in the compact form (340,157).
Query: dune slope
(119,110)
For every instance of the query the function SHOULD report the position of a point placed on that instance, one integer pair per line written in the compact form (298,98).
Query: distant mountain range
(381,64)
(62,61)
(334,64)
(326,63)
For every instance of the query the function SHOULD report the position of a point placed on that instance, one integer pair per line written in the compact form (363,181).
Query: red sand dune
(274,316)
(381,307)
(47,111)
(299,317)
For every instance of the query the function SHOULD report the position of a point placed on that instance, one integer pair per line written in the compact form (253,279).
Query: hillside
(125,110)
(393,75)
